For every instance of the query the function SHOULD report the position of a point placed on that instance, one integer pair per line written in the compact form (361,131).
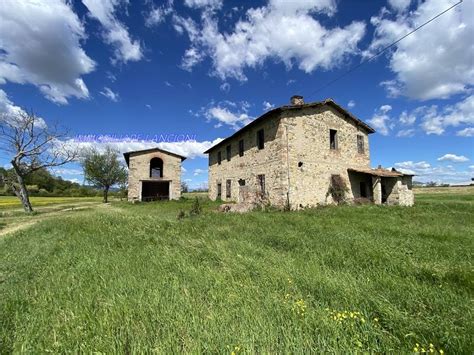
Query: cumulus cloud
(399,5)
(285,31)
(40,45)
(453,158)
(233,114)
(436,121)
(115,33)
(381,121)
(466,132)
(108,93)
(425,172)
(351,104)
(267,106)
(434,62)
(10,112)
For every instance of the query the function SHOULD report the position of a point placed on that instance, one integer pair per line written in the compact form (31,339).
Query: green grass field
(134,278)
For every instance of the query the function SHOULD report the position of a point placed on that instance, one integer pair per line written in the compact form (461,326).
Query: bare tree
(32,145)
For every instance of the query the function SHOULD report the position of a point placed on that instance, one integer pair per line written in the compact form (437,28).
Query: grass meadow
(135,278)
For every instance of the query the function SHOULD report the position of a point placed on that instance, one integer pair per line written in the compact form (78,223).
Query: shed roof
(144,151)
(381,172)
(328,102)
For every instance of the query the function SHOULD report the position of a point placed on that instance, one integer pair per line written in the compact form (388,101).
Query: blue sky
(205,68)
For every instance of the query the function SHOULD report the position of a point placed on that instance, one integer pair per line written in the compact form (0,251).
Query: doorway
(155,190)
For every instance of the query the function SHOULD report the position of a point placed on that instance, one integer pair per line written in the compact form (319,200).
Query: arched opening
(156,168)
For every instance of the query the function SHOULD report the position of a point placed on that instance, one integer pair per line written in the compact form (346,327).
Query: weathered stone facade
(304,145)
(143,186)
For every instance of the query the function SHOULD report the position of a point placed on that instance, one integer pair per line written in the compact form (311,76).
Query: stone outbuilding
(292,156)
(153,174)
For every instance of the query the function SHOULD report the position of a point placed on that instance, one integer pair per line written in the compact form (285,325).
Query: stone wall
(139,169)
(312,162)
(268,161)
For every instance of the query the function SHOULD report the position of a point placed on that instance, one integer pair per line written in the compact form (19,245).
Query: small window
(219,158)
(360,144)
(241,182)
(261,183)
(241,148)
(228,193)
(227,152)
(219,190)
(333,139)
(260,139)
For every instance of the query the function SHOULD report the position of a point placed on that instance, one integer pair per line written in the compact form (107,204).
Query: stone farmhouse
(292,155)
(154,174)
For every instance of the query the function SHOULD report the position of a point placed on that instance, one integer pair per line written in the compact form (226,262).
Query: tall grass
(339,279)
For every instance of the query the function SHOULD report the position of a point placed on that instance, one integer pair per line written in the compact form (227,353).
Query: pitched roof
(328,102)
(127,154)
(381,172)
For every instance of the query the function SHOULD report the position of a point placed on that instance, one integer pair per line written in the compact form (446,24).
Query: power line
(329,83)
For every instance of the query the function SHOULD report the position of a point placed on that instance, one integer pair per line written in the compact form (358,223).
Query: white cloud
(381,121)
(466,132)
(399,5)
(225,87)
(66,171)
(290,82)
(115,33)
(40,45)
(108,93)
(9,111)
(406,133)
(434,62)
(157,15)
(454,158)
(425,172)
(351,104)
(267,106)
(167,83)
(198,172)
(229,113)
(190,149)
(196,4)
(435,121)
(148,106)
(285,31)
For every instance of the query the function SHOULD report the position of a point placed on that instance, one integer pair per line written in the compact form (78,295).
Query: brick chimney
(296,100)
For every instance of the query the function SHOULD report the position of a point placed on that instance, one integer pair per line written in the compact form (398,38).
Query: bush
(337,189)
(181,214)
(195,208)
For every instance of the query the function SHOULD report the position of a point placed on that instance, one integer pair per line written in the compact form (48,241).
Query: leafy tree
(31,146)
(184,187)
(103,169)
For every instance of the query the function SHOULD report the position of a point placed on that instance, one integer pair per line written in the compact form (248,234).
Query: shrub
(337,189)
(181,214)
(195,208)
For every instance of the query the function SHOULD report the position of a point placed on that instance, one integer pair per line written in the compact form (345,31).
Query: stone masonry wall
(267,161)
(139,169)
(312,162)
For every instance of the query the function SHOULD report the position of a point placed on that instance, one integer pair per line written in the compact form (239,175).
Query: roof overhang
(151,150)
(379,172)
